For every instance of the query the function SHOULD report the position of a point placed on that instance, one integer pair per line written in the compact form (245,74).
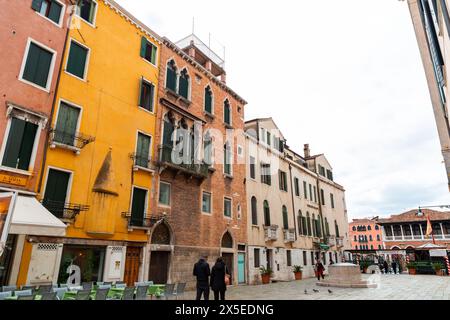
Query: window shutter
(36,5)
(43,68)
(227,114)
(208,101)
(138,206)
(26,149)
(143,47)
(55,12)
(154,49)
(77,60)
(141,96)
(14,141)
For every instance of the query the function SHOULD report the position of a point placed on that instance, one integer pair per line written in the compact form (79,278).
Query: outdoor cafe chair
(101,294)
(104,286)
(27,297)
(169,290)
(149,283)
(128,293)
(83,295)
(108,283)
(5,294)
(29,287)
(141,292)
(45,288)
(63,285)
(9,288)
(180,289)
(19,293)
(48,296)
(60,292)
(87,285)
(75,288)
(121,285)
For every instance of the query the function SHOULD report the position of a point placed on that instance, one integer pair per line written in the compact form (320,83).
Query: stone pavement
(391,287)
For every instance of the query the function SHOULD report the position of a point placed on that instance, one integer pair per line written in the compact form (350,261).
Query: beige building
(432,27)
(296,212)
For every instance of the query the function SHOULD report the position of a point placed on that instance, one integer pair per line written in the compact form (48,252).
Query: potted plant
(411,267)
(364,265)
(437,266)
(266,273)
(298,272)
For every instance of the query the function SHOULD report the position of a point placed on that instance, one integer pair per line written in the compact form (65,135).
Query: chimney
(208,65)
(192,50)
(306,151)
(223,77)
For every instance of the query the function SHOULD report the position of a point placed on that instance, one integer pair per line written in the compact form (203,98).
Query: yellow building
(98,176)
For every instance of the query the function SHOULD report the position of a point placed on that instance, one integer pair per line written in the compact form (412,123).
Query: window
(327,227)
(268,138)
(305,259)
(315,194)
(330,175)
(305,190)
(377,227)
(378,237)
(66,124)
(20,144)
(183,85)
(227,113)
(164,193)
(266,178)
(143,150)
(254,211)
(146,95)
(332,200)
(288,258)
(86,10)
(91,261)
(369,228)
(171,78)
(266,214)
(354,228)
(38,65)
(50,9)
(370,238)
(321,171)
(252,167)
(138,207)
(207,149)
(282,179)
(300,223)
(322,196)
(227,159)
(297,187)
(312,258)
(77,61)
(310,192)
(206,202)
(308,224)
(227,207)
(336,228)
(285,218)
(354,238)
(56,190)
(208,100)
(148,51)
(256,258)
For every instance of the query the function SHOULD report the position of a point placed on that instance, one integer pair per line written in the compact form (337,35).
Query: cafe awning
(30,217)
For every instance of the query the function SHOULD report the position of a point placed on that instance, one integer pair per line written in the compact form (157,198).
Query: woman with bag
(220,278)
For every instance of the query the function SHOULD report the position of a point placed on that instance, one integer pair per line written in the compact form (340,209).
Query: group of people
(215,278)
(385,267)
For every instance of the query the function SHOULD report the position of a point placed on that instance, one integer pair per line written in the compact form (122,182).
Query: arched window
(227,112)
(301,227)
(371,247)
(370,238)
(354,228)
(254,211)
(207,149)
(378,237)
(266,214)
(227,240)
(161,235)
(285,218)
(336,228)
(327,228)
(354,239)
(319,225)
(308,223)
(369,228)
(356,247)
(168,130)
(377,227)
(184,83)
(209,100)
(314,225)
(227,159)
(171,78)
(379,247)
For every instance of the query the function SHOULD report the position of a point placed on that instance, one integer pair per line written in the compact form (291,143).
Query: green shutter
(55,12)
(208,101)
(36,5)
(227,113)
(77,60)
(183,89)
(138,207)
(66,125)
(141,88)
(14,142)
(143,150)
(154,49)
(56,191)
(143,47)
(171,81)
(285,219)
(37,66)
(26,148)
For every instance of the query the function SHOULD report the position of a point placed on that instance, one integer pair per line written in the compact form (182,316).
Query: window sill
(228,126)
(139,168)
(46,89)
(228,176)
(91,24)
(54,145)
(209,115)
(178,97)
(164,206)
(211,169)
(75,76)
(59,25)
(18,171)
(146,110)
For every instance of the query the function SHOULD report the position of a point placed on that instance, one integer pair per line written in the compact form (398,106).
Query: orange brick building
(365,234)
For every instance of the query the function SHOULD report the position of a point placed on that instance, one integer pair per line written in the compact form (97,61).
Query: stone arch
(162,234)
(227,240)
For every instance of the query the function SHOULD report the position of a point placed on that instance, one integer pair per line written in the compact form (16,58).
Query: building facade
(200,153)
(296,212)
(431,21)
(33,35)
(365,234)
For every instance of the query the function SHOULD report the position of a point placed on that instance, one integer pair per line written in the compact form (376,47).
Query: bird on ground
(315,290)
(306,291)
(329,291)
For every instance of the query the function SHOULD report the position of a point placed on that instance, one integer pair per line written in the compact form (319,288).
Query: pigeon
(329,291)
(315,290)
(306,291)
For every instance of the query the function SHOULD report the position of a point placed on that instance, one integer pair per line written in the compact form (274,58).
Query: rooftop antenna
(193,25)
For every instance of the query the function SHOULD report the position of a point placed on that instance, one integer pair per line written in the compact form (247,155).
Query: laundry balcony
(166,161)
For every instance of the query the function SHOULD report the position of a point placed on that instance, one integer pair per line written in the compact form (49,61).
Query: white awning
(31,218)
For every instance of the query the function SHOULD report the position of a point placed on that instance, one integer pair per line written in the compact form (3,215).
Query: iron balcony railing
(289,235)
(146,222)
(270,232)
(63,210)
(75,140)
(140,160)
(166,159)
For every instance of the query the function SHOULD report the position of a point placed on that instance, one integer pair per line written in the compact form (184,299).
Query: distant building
(365,234)
(432,27)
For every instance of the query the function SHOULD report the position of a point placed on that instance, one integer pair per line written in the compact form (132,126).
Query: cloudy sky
(343,76)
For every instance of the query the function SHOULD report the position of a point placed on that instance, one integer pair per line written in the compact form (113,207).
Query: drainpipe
(52,111)
(320,198)
(292,198)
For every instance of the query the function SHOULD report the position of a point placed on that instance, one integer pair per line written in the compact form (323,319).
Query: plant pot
(265,278)
(412,271)
(298,275)
(364,269)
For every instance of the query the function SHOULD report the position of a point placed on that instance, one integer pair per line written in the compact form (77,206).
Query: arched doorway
(228,252)
(160,258)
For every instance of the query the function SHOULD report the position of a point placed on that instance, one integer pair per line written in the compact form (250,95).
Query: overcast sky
(344,76)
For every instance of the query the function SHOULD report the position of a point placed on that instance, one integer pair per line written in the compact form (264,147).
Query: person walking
(394,267)
(320,269)
(202,272)
(218,284)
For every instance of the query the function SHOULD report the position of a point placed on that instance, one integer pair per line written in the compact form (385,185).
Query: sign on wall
(438,253)
(17,181)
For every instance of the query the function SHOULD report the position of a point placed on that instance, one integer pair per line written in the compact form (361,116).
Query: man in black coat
(202,272)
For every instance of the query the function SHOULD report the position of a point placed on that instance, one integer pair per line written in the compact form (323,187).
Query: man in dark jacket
(218,285)
(202,272)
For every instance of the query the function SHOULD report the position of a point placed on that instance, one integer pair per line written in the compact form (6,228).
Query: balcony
(289,235)
(191,169)
(331,240)
(66,212)
(416,237)
(74,142)
(141,162)
(340,241)
(270,233)
(145,223)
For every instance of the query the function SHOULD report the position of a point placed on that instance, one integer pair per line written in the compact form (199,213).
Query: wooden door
(159,266)
(132,265)
(228,259)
